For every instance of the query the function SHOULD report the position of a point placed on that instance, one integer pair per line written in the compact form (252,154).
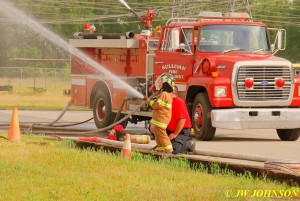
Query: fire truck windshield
(234,38)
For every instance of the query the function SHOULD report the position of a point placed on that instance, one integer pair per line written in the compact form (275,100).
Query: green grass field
(37,169)
(25,98)
(31,102)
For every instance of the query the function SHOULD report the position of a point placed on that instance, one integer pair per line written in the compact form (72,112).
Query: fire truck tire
(288,134)
(103,115)
(201,118)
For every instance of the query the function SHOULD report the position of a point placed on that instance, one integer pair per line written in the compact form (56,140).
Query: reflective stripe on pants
(162,139)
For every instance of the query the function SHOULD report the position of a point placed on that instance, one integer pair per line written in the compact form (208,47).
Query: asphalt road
(260,142)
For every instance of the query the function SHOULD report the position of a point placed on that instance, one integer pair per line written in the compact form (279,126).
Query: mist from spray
(19,16)
(125,4)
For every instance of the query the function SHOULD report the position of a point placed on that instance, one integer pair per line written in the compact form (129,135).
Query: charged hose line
(283,166)
(61,114)
(55,131)
(4,138)
(73,124)
(76,131)
(53,122)
(120,109)
(54,128)
(234,156)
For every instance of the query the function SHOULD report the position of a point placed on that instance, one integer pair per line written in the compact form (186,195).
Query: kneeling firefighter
(161,105)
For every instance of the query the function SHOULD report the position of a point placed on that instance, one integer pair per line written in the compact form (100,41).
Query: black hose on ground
(53,122)
(61,115)
(73,124)
(66,131)
(4,138)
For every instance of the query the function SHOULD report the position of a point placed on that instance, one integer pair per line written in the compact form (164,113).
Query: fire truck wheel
(201,118)
(103,115)
(288,134)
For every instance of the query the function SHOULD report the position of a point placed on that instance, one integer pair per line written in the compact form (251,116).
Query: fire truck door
(176,54)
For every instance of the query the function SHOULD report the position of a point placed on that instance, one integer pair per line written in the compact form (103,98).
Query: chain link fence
(34,80)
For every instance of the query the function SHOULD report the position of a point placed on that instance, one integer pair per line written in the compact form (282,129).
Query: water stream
(7,9)
(125,4)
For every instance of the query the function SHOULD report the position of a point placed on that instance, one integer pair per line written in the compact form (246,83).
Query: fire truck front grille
(264,88)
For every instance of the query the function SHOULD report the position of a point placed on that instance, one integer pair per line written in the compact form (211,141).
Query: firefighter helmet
(166,82)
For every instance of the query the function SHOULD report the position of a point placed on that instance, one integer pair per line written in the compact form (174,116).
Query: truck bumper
(256,118)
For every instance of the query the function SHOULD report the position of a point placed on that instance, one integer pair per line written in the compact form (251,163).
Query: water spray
(125,4)
(19,16)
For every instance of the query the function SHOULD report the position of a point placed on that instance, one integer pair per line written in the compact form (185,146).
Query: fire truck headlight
(220,92)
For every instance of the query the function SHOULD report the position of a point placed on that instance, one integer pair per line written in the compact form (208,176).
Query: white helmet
(166,82)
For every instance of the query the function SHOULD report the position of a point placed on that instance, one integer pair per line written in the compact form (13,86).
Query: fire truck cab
(224,66)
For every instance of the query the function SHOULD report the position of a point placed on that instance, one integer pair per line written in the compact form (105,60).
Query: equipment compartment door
(78,90)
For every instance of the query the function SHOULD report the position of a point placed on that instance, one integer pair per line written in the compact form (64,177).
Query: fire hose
(76,131)
(120,109)
(61,114)
(73,124)
(292,167)
(269,163)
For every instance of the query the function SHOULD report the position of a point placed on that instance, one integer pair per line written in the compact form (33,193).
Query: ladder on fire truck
(210,16)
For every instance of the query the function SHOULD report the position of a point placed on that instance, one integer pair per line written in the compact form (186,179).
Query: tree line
(110,16)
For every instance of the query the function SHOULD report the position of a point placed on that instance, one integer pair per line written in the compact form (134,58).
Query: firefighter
(179,127)
(162,111)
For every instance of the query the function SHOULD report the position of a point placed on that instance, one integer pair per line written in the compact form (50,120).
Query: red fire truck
(224,66)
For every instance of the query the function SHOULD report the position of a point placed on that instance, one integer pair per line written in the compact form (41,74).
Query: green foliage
(281,14)
(110,16)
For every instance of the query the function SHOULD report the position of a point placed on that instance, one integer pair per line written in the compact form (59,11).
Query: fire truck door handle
(159,62)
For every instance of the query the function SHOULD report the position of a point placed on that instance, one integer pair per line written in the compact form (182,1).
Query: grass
(38,169)
(25,98)
(31,102)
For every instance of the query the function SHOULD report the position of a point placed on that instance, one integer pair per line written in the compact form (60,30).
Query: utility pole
(232,5)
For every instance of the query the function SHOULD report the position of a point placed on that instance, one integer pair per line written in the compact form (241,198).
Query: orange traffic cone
(14,128)
(126,150)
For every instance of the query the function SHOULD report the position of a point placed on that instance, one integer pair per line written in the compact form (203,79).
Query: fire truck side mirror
(272,47)
(175,39)
(280,39)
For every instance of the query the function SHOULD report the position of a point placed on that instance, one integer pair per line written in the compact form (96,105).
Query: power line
(86,10)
